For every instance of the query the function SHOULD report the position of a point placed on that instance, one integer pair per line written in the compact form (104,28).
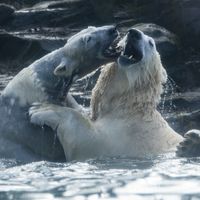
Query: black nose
(135,34)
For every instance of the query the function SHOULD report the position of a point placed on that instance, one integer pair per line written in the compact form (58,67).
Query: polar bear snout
(132,46)
(109,40)
(135,34)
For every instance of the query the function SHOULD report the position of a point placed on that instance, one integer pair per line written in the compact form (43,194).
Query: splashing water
(166,106)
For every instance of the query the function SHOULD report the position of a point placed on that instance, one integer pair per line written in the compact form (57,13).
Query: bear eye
(150,43)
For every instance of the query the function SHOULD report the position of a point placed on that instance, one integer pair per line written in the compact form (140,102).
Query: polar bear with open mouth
(48,80)
(124,119)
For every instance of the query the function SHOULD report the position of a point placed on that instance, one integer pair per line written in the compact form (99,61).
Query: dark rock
(183,122)
(18,50)
(103,10)
(181,110)
(183,17)
(53,14)
(185,72)
(180,16)
(6,13)
(18,4)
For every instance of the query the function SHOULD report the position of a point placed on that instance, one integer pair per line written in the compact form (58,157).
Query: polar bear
(48,80)
(124,119)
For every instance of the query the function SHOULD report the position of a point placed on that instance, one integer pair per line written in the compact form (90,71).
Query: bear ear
(60,70)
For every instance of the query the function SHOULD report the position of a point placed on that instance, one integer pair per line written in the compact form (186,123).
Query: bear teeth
(130,57)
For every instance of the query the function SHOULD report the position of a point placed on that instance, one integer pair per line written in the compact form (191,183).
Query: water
(165,177)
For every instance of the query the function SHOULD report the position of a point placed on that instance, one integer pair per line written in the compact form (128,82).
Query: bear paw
(190,146)
(44,114)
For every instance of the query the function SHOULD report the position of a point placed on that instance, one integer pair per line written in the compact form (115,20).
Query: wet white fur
(125,121)
(26,88)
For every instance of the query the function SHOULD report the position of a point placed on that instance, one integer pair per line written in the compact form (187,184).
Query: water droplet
(166,105)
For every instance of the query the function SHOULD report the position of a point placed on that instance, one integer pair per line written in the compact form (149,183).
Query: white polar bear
(124,121)
(48,80)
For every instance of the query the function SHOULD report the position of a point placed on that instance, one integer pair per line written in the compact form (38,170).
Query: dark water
(165,177)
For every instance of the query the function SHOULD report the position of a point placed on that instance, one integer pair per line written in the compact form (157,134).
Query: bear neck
(55,87)
(113,95)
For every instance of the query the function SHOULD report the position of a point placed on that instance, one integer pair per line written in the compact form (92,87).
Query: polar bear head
(141,63)
(140,59)
(87,50)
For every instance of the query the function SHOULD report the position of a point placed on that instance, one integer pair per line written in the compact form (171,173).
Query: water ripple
(165,177)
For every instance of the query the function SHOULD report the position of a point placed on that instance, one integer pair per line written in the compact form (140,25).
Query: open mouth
(131,53)
(111,51)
